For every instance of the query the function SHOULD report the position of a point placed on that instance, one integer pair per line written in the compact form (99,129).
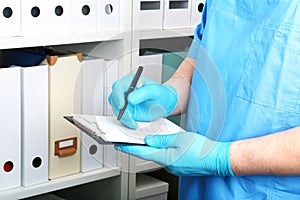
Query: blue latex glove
(149,101)
(185,154)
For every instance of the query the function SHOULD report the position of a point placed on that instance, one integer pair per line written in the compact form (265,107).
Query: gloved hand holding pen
(185,154)
(149,101)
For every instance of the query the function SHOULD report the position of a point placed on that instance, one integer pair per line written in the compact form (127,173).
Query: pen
(131,88)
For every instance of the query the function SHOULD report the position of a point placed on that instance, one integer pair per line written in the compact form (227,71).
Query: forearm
(181,81)
(274,154)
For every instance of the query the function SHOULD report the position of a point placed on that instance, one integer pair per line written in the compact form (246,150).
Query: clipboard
(87,131)
(107,130)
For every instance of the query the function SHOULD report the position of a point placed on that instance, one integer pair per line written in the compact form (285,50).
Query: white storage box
(150,14)
(196,12)
(108,12)
(10,18)
(34,17)
(59,17)
(10,128)
(84,16)
(177,14)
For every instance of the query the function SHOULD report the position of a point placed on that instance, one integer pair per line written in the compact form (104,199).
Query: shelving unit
(150,188)
(164,40)
(107,44)
(154,39)
(61,183)
(119,182)
(111,45)
(33,41)
(160,34)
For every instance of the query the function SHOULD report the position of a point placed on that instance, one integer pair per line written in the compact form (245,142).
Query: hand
(185,154)
(149,101)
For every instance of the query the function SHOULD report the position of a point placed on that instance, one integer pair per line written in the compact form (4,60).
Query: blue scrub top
(255,45)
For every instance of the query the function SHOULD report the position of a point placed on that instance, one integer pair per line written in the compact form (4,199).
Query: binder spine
(111,75)
(108,12)
(10,18)
(10,128)
(92,104)
(34,124)
(64,97)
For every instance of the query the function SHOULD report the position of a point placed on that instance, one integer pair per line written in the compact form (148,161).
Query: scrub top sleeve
(198,35)
(193,50)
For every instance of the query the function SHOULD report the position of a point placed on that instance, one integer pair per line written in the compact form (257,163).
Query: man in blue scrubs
(240,85)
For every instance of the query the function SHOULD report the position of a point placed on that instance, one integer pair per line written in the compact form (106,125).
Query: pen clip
(130,89)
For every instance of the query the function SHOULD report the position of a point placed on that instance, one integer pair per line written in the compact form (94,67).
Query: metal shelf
(33,41)
(60,183)
(156,34)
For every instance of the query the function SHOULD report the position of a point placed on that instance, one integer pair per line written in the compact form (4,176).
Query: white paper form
(111,130)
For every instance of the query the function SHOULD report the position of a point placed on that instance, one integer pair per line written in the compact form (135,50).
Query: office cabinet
(111,45)
(121,44)
(152,43)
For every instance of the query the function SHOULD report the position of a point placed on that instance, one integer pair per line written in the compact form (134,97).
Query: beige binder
(64,97)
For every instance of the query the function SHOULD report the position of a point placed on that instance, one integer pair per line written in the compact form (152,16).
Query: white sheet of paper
(111,130)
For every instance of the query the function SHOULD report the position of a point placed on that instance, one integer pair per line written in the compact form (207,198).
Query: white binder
(196,12)
(34,97)
(92,103)
(108,12)
(111,75)
(92,86)
(59,17)
(150,14)
(83,16)
(34,17)
(177,14)
(152,66)
(91,154)
(10,18)
(10,128)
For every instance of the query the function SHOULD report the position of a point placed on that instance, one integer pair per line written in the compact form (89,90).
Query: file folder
(59,17)
(10,128)
(34,97)
(150,14)
(64,97)
(196,12)
(83,16)
(10,19)
(111,75)
(110,156)
(34,17)
(177,14)
(108,13)
(152,66)
(92,86)
(92,103)
(91,154)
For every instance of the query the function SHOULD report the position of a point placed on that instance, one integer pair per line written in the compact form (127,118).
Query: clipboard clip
(90,126)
